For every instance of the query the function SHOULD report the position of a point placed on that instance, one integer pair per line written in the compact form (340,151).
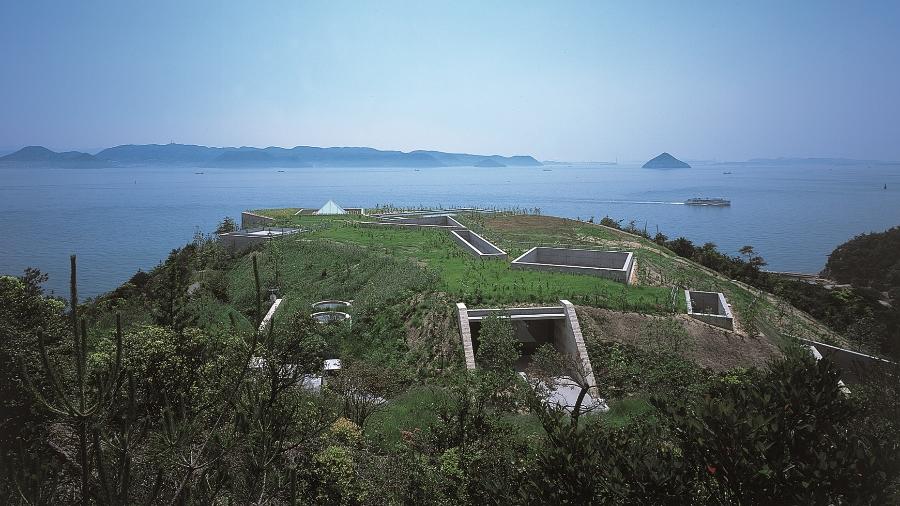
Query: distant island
(299,156)
(489,162)
(666,161)
(39,155)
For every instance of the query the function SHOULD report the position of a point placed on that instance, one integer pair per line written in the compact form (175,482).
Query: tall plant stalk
(88,407)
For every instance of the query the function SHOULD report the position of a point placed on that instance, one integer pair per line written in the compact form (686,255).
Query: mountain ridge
(37,156)
(194,155)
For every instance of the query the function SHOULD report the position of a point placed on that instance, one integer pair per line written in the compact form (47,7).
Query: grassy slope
(656,266)
(491,282)
(404,281)
(481,282)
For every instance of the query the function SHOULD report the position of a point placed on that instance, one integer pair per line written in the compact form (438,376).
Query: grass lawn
(492,282)
(478,282)
(415,408)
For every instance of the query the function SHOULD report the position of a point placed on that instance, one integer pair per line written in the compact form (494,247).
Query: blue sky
(559,80)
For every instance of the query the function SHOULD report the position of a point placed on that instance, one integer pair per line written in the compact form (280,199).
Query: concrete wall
(465,334)
(268,318)
(709,307)
(331,317)
(235,242)
(571,341)
(251,220)
(559,325)
(430,221)
(477,245)
(854,364)
(331,305)
(521,313)
(615,265)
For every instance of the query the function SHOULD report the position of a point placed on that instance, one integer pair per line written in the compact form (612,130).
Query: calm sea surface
(121,220)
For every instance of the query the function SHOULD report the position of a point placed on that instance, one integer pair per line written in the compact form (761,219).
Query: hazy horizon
(578,82)
(95,150)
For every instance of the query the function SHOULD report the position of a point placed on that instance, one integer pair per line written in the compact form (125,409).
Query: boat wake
(639,202)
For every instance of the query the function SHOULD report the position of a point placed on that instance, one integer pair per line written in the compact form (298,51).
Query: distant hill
(464,159)
(39,156)
(299,156)
(488,162)
(140,154)
(254,158)
(666,161)
(868,260)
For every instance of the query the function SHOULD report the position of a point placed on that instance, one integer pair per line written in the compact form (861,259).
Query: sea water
(119,220)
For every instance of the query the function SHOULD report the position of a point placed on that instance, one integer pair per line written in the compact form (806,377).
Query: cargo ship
(707,201)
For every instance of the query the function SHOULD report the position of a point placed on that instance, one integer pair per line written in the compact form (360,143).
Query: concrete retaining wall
(572,342)
(477,245)
(520,313)
(235,242)
(435,221)
(465,334)
(615,265)
(251,220)
(854,364)
(267,320)
(567,337)
(709,307)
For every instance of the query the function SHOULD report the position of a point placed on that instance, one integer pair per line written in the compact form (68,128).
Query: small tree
(364,388)
(227,225)
(498,349)
(550,369)
(85,404)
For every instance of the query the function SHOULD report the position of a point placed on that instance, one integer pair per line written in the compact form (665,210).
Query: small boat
(280,171)
(198,173)
(548,170)
(726,173)
(707,201)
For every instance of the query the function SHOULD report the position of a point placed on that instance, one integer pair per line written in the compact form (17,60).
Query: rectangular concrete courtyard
(615,265)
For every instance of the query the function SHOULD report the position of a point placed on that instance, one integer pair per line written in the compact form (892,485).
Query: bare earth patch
(526,223)
(706,345)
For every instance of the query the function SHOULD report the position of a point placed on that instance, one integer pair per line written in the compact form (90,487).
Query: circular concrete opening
(331,317)
(331,305)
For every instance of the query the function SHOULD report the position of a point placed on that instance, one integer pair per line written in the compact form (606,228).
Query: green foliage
(227,225)
(786,438)
(868,260)
(364,388)
(173,367)
(24,315)
(594,465)
(734,267)
(628,410)
(488,282)
(169,291)
(498,349)
(624,370)
(209,412)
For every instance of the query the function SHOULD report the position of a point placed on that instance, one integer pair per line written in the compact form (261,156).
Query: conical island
(666,161)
